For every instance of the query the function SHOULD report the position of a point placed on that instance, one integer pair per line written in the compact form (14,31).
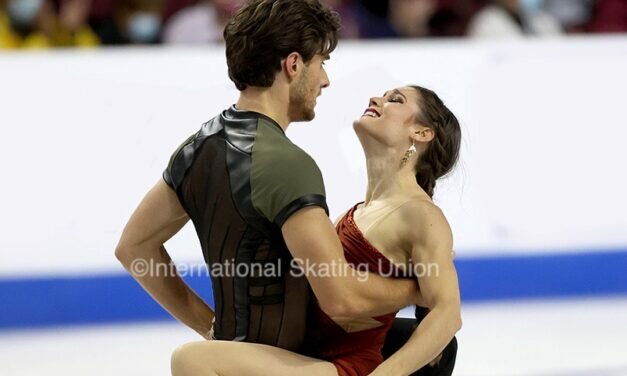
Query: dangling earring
(411,151)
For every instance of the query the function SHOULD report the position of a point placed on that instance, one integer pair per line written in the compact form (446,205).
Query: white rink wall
(85,134)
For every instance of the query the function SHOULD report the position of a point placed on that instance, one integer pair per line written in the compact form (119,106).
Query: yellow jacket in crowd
(83,37)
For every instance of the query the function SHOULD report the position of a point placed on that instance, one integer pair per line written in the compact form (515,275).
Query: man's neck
(272,102)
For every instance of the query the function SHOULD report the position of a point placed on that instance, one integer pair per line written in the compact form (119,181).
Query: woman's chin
(356,124)
(361,123)
(364,124)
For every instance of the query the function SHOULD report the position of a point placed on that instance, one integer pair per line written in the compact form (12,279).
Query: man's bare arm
(311,237)
(157,218)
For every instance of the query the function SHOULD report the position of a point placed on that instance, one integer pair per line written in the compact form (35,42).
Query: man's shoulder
(286,161)
(277,151)
(284,178)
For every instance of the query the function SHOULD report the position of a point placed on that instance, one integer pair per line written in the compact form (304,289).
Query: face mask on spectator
(24,12)
(530,6)
(144,27)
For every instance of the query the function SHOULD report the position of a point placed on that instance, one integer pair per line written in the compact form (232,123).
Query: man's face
(306,88)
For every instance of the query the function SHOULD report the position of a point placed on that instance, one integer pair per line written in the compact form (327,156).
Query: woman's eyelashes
(396,99)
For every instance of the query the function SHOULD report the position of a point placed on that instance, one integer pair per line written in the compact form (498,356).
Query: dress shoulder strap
(385,215)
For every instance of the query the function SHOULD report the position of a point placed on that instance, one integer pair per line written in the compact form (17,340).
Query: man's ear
(292,65)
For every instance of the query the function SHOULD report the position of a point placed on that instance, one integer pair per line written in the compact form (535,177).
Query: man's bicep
(157,218)
(310,236)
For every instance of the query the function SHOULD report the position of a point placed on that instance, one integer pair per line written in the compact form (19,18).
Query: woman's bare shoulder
(422,220)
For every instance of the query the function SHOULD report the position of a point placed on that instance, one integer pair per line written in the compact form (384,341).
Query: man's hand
(209,336)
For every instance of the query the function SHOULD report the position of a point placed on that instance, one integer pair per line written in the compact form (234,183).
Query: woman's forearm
(426,343)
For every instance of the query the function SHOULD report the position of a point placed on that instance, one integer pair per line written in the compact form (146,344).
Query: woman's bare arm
(431,242)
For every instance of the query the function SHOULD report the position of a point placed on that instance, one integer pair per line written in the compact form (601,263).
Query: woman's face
(390,119)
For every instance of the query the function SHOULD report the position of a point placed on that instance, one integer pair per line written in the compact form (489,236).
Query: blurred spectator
(174,6)
(401,19)
(65,23)
(572,15)
(610,16)
(378,8)
(410,18)
(132,22)
(349,12)
(141,20)
(23,24)
(200,23)
(36,24)
(513,18)
(451,17)
(73,29)
(204,21)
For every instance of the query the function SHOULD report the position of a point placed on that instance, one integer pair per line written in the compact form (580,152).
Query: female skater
(410,139)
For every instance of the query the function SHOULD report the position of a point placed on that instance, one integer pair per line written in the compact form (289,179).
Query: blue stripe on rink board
(38,302)
(543,276)
(83,300)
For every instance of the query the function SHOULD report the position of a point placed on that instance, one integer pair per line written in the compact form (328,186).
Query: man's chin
(306,117)
(311,115)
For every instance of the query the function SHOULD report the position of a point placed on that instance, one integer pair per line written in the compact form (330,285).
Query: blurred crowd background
(90,23)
